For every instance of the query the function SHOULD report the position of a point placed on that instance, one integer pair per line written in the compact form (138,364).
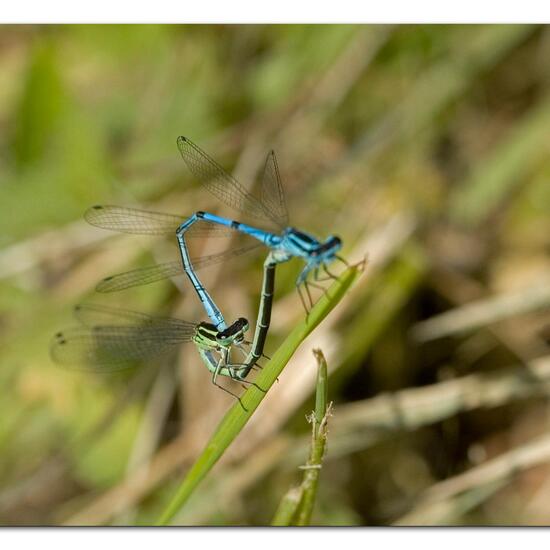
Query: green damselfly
(110,339)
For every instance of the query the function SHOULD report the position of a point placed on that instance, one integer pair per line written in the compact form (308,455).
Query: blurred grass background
(425,147)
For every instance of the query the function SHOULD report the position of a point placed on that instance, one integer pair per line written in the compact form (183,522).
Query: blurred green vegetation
(424,147)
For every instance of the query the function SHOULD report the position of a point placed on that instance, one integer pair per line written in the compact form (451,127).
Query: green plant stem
(296,506)
(288,507)
(236,418)
(321,394)
(319,420)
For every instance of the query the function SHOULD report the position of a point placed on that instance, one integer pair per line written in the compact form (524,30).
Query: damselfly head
(233,334)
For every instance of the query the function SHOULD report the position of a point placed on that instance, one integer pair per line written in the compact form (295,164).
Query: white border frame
(283,11)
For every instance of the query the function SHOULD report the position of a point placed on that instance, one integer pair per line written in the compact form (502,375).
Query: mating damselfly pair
(111,339)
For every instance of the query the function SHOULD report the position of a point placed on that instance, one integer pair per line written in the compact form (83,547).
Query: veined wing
(110,348)
(272,192)
(92,315)
(132,220)
(222,185)
(138,277)
(145,222)
(151,274)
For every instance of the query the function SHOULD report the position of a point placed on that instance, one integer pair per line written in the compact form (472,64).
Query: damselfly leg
(222,364)
(299,290)
(244,382)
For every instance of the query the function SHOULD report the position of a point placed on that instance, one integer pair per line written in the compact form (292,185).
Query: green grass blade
(236,418)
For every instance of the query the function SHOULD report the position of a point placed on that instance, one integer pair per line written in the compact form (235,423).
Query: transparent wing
(144,222)
(223,186)
(272,192)
(138,277)
(92,315)
(150,274)
(131,220)
(110,348)
(130,337)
